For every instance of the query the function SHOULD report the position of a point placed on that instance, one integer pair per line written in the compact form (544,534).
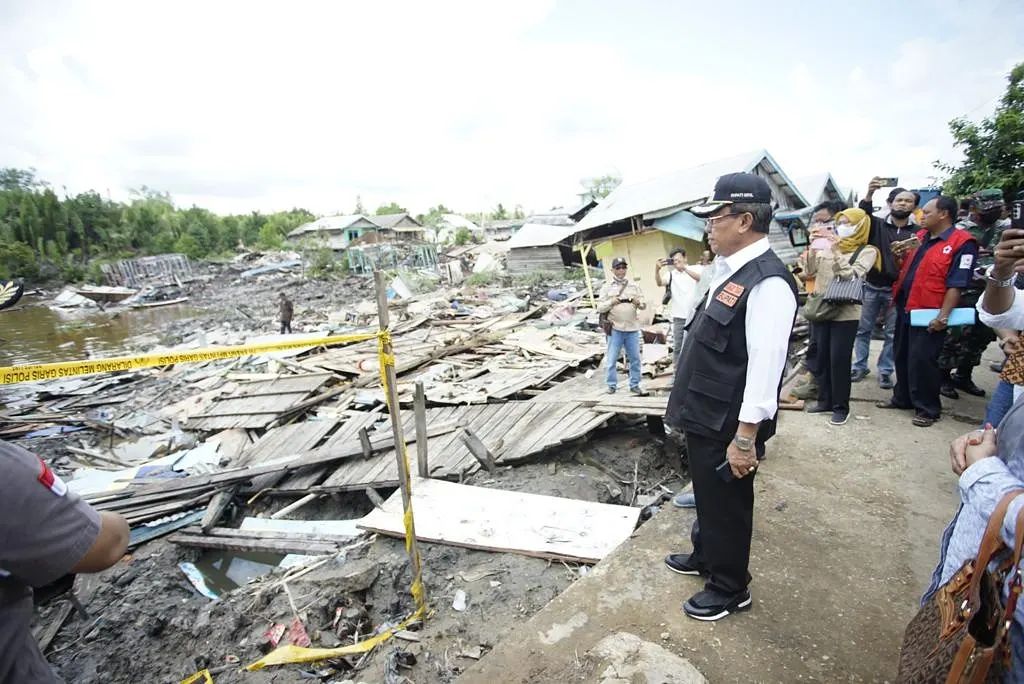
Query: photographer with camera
(680,288)
(621,299)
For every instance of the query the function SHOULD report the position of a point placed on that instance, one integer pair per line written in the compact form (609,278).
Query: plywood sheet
(499,520)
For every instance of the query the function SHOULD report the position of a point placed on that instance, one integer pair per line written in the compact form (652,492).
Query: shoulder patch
(734,288)
(49,479)
(727,299)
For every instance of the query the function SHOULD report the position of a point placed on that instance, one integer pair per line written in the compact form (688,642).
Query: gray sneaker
(610,390)
(684,500)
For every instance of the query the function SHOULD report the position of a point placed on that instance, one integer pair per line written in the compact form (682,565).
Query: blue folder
(920,318)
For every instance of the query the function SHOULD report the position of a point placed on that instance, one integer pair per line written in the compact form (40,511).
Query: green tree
(499,213)
(187,245)
(390,208)
(600,187)
(434,215)
(270,237)
(993,149)
(463,236)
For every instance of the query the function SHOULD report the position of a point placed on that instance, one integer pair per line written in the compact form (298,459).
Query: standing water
(38,334)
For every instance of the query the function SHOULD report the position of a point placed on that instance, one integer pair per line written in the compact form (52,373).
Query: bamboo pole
(404,480)
(584,253)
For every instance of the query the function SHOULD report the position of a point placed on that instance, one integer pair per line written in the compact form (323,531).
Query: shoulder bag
(962,634)
(665,298)
(602,319)
(846,291)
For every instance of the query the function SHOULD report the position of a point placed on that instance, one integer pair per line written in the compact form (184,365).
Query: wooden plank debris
(259,403)
(479,450)
(498,520)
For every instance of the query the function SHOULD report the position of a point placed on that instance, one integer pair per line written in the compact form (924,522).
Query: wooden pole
(420,408)
(584,253)
(404,481)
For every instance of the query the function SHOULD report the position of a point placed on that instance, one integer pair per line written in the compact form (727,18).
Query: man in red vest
(932,277)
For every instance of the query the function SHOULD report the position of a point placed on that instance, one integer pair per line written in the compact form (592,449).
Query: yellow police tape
(201,677)
(50,371)
(289,654)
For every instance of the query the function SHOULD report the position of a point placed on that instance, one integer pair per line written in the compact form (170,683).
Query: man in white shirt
(725,394)
(682,285)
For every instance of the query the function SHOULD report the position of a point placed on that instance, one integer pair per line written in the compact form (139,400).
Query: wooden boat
(166,302)
(104,294)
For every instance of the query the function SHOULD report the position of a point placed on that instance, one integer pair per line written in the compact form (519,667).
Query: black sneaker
(885,381)
(680,562)
(967,385)
(709,605)
(947,390)
(858,375)
(839,418)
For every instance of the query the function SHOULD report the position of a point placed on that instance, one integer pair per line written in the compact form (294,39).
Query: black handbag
(665,298)
(846,291)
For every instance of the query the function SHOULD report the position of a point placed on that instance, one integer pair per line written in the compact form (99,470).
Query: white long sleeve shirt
(1011,319)
(771,308)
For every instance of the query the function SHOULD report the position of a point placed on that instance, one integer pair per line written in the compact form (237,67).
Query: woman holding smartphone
(838,251)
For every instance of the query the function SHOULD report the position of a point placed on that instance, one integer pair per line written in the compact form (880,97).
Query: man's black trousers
(725,517)
(918,376)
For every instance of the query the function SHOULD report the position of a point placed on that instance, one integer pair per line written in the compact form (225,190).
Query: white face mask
(846,230)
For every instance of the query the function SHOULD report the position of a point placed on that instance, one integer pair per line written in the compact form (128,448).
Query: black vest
(712,373)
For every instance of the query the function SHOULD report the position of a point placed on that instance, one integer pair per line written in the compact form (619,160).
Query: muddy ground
(148,624)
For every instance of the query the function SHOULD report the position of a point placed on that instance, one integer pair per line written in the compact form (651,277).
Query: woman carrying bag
(839,260)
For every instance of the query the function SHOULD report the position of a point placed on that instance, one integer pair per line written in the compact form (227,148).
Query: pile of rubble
(285,462)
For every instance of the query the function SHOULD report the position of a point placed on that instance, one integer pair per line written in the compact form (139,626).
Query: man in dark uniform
(46,532)
(932,277)
(964,345)
(726,389)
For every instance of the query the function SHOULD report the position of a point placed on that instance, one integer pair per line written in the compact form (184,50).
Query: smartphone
(725,472)
(909,243)
(889,181)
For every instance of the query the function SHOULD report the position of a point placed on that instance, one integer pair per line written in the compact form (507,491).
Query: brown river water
(33,333)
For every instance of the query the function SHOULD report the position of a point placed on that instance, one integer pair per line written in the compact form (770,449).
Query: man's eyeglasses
(709,222)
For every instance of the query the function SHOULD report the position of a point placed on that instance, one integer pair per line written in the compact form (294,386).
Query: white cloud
(252,105)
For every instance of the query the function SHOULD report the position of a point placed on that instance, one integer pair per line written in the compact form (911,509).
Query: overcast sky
(249,105)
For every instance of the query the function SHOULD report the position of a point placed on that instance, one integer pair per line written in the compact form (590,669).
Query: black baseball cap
(733,188)
(618,261)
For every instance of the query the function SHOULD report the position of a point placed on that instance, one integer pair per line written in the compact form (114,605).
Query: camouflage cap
(989,198)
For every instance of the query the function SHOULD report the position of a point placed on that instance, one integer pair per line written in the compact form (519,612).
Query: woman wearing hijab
(840,254)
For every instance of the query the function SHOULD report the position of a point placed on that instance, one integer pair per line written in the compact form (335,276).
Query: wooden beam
(215,509)
(364,440)
(304,546)
(391,391)
(479,450)
(420,410)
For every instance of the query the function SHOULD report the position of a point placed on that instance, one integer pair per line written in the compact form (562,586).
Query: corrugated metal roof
(681,189)
(814,187)
(389,220)
(329,223)
(539,235)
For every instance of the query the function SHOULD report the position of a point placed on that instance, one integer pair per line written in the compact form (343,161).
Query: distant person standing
(893,226)
(681,285)
(842,254)
(726,390)
(962,350)
(932,277)
(621,299)
(284,313)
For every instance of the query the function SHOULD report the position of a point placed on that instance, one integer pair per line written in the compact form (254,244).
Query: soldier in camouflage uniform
(964,345)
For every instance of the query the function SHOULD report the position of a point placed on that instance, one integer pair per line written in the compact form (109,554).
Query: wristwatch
(996,281)
(743,443)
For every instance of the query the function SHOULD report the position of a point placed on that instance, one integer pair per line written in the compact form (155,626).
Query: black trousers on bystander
(918,376)
(834,341)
